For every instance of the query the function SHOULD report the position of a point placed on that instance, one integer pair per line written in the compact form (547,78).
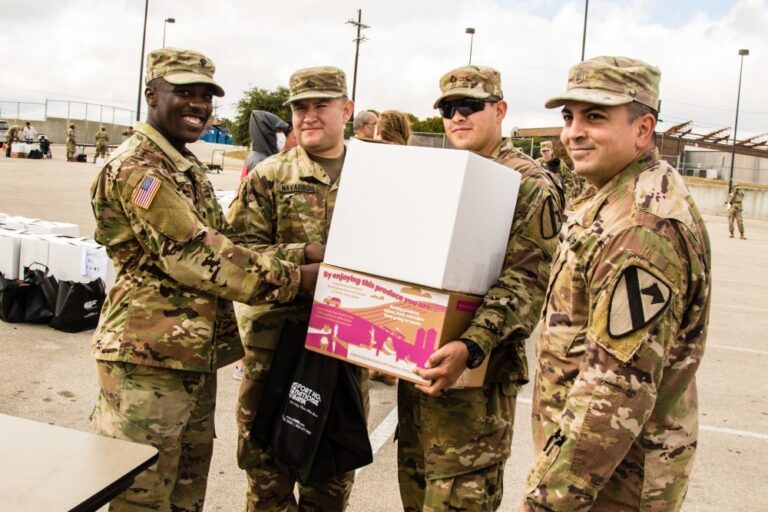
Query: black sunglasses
(465,106)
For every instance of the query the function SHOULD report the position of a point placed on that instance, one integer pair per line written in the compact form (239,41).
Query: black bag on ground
(78,305)
(31,300)
(311,416)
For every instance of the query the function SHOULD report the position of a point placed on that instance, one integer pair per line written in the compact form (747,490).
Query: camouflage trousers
(70,152)
(173,411)
(735,215)
(101,151)
(451,449)
(269,487)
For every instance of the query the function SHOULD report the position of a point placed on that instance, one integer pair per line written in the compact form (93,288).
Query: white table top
(45,467)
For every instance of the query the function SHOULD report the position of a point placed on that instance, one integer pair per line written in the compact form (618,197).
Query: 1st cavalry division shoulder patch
(144,194)
(550,219)
(638,298)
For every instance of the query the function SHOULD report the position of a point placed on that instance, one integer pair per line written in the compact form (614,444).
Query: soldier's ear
(151,96)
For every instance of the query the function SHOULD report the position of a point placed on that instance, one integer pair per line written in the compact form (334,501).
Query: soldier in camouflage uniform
(10,137)
(572,183)
(453,443)
(735,207)
(615,414)
(102,139)
(168,322)
(71,143)
(284,207)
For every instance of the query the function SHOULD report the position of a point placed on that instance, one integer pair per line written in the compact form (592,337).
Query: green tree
(258,99)
(428,125)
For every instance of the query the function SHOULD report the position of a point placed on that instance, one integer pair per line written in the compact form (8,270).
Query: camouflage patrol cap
(547,144)
(611,81)
(479,82)
(181,67)
(317,82)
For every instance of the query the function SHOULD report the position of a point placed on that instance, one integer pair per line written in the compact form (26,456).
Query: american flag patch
(145,193)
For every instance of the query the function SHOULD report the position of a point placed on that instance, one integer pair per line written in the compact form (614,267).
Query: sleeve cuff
(483,337)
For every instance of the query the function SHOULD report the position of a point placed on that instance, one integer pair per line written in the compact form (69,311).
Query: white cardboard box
(34,249)
(10,245)
(432,217)
(16,222)
(47,227)
(80,260)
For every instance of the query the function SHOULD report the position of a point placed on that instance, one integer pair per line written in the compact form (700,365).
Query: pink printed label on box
(376,323)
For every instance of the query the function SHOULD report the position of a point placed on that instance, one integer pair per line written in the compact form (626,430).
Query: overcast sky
(88,50)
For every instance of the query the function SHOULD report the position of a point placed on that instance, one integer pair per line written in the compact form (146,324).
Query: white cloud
(81,49)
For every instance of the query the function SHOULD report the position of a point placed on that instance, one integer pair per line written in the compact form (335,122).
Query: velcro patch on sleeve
(145,193)
(630,306)
(551,219)
(637,299)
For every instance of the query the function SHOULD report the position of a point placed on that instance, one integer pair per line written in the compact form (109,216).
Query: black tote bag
(78,305)
(311,416)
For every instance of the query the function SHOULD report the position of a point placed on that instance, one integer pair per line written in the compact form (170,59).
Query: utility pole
(584,34)
(141,62)
(359,39)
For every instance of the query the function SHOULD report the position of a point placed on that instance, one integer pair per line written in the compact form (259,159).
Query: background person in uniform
(30,134)
(11,136)
(453,443)
(615,414)
(284,207)
(168,322)
(127,132)
(571,182)
(364,124)
(393,126)
(71,143)
(102,139)
(735,208)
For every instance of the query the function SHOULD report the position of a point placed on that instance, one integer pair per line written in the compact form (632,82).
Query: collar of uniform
(157,138)
(309,168)
(586,214)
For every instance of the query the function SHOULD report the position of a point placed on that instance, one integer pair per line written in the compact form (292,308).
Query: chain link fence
(65,109)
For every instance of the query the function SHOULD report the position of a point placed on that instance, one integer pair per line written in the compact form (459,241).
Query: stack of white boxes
(56,245)
(418,236)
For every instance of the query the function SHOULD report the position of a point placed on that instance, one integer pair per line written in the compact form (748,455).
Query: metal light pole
(141,62)
(165,24)
(471,32)
(584,34)
(742,53)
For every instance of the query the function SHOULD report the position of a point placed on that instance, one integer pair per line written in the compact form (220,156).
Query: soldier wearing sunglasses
(453,443)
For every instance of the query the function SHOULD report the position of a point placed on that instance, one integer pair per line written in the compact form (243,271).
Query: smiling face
(602,140)
(319,124)
(479,131)
(179,112)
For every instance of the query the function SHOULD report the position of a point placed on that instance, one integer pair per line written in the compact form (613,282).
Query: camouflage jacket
(736,200)
(70,136)
(572,182)
(615,411)
(285,203)
(12,134)
(101,138)
(511,307)
(177,274)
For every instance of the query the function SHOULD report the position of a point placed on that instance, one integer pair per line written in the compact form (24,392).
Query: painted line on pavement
(382,433)
(735,306)
(734,432)
(739,349)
